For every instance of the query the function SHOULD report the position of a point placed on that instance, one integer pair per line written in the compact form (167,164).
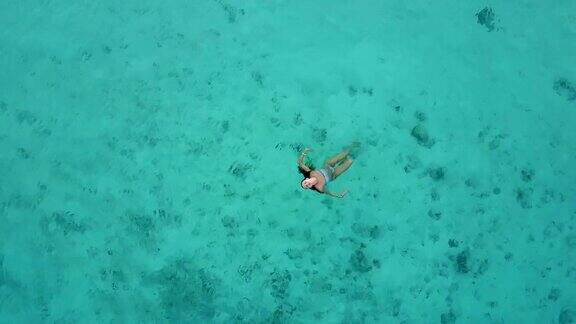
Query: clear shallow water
(148,162)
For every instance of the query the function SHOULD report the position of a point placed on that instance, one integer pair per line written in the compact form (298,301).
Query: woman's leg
(354,147)
(336,158)
(342,167)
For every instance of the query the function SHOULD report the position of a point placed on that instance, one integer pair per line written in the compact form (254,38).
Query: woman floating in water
(333,167)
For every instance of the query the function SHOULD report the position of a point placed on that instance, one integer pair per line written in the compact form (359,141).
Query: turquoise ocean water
(148,161)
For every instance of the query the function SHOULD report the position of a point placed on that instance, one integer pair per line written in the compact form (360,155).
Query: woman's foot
(353,149)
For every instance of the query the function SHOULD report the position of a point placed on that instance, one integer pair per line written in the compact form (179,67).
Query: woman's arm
(337,195)
(301,160)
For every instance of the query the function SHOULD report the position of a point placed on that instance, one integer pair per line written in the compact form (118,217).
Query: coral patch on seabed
(486,17)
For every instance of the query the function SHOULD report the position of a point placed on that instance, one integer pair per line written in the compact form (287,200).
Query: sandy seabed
(148,161)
